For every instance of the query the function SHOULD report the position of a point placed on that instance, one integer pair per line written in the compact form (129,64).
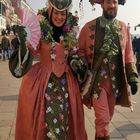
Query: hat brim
(60,7)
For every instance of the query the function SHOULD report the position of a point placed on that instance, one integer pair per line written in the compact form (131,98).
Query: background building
(9,12)
(2,14)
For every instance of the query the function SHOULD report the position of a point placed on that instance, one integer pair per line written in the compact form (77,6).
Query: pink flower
(76,19)
(59,97)
(66,28)
(113,67)
(48,98)
(55,50)
(46,125)
(62,117)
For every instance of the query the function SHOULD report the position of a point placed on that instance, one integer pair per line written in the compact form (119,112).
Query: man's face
(110,8)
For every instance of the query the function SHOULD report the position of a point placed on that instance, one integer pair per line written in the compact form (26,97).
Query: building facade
(9,12)
(2,14)
(18,4)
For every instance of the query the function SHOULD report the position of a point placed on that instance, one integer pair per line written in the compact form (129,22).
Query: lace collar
(104,22)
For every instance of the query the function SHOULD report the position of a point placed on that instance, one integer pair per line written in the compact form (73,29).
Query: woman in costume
(49,103)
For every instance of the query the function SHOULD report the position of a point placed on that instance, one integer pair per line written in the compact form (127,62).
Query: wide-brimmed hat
(13,64)
(60,5)
(121,2)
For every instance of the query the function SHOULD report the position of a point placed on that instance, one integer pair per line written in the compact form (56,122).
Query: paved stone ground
(125,124)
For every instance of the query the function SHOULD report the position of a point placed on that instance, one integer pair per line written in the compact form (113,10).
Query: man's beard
(109,16)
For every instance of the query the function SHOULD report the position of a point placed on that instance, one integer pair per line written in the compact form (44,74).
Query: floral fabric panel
(115,70)
(57,108)
(111,69)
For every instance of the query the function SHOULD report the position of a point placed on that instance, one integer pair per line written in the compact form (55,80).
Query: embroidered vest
(110,69)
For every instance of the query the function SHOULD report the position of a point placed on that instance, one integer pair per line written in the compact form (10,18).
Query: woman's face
(58,17)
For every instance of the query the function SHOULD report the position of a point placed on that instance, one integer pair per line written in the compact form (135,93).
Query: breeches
(104,109)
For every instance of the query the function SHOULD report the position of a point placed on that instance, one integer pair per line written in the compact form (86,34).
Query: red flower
(76,19)
(66,28)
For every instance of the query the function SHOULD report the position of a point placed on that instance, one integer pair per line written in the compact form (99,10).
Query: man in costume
(108,39)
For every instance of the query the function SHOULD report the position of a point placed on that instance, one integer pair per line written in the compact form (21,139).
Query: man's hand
(75,65)
(134,87)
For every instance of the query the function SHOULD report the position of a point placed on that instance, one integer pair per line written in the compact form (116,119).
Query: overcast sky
(130,13)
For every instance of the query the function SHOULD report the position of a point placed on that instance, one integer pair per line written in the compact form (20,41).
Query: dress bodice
(57,66)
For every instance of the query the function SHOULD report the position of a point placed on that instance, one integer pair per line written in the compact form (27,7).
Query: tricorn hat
(60,5)
(121,2)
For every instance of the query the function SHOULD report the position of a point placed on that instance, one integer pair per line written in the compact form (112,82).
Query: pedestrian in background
(106,42)
(134,43)
(15,42)
(136,46)
(3,32)
(5,46)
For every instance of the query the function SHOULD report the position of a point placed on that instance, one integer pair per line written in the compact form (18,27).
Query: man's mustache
(110,9)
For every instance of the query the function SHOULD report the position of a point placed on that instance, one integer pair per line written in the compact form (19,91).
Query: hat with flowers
(60,5)
(121,2)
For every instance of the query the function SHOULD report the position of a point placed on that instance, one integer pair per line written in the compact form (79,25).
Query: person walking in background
(0,51)
(5,45)
(8,29)
(106,42)
(49,103)
(15,42)
(134,43)
(136,46)
(3,32)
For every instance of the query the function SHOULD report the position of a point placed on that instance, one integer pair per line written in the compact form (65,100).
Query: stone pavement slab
(125,124)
